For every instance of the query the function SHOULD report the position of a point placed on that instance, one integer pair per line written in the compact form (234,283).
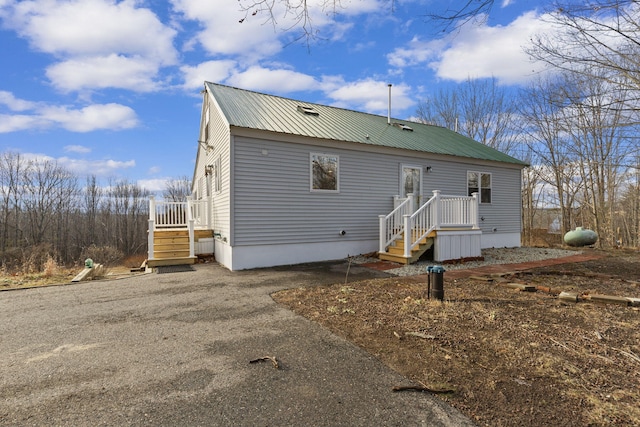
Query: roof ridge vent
(403,127)
(310,111)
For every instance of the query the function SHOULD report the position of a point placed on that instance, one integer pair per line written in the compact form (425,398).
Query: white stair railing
(421,223)
(392,225)
(438,212)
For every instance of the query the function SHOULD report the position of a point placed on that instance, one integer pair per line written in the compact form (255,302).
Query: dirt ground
(504,357)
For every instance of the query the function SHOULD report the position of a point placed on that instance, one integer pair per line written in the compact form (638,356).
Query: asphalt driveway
(174,349)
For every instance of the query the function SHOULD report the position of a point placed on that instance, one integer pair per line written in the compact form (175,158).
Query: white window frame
(324,190)
(479,175)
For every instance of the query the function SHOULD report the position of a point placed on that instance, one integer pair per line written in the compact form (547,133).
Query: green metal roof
(253,110)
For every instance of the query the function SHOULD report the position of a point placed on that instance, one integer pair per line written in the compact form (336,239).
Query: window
(213,174)
(324,172)
(479,182)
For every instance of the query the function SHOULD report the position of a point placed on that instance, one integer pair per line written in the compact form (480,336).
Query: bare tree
(627,214)
(130,213)
(541,119)
(599,39)
(595,123)
(479,109)
(92,197)
(531,194)
(49,189)
(462,13)
(297,14)
(177,189)
(11,166)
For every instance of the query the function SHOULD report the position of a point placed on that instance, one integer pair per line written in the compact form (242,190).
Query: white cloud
(104,168)
(223,34)
(17,122)
(416,52)
(155,185)
(111,71)
(227,30)
(99,43)
(77,149)
(483,51)
(369,95)
(478,51)
(39,115)
(212,71)
(93,117)
(270,80)
(93,27)
(13,103)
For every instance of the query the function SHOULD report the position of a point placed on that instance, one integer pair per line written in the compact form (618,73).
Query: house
(279,181)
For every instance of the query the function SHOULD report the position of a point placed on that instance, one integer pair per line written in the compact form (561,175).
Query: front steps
(395,252)
(171,247)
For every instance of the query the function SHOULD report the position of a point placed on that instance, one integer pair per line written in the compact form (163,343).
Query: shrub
(50,267)
(105,255)
(36,257)
(134,261)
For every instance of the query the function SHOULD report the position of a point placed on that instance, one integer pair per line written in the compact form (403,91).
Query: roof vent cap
(403,127)
(308,110)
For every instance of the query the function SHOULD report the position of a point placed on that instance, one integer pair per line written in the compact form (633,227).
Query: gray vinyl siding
(504,212)
(273,203)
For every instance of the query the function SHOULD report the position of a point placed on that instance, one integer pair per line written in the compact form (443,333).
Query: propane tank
(580,237)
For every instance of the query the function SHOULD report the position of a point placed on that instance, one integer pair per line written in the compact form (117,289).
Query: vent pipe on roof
(389,109)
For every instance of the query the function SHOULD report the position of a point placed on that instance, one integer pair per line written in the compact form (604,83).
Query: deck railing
(392,225)
(190,214)
(437,213)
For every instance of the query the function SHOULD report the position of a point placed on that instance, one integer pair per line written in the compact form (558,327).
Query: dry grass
(51,273)
(514,358)
(51,276)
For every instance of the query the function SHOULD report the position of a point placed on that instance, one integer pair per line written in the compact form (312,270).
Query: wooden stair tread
(395,252)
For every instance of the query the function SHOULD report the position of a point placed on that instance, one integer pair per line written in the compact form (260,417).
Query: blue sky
(112,88)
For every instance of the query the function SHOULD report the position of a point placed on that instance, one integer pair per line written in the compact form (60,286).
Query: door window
(411,180)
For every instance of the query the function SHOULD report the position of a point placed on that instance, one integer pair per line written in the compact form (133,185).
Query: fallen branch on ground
(273,360)
(444,389)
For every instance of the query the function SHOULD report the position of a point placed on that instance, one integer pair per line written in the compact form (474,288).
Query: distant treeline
(48,211)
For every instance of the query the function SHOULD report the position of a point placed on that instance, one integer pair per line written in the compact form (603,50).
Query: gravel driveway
(174,349)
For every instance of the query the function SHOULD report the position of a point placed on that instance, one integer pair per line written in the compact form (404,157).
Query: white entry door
(411,182)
